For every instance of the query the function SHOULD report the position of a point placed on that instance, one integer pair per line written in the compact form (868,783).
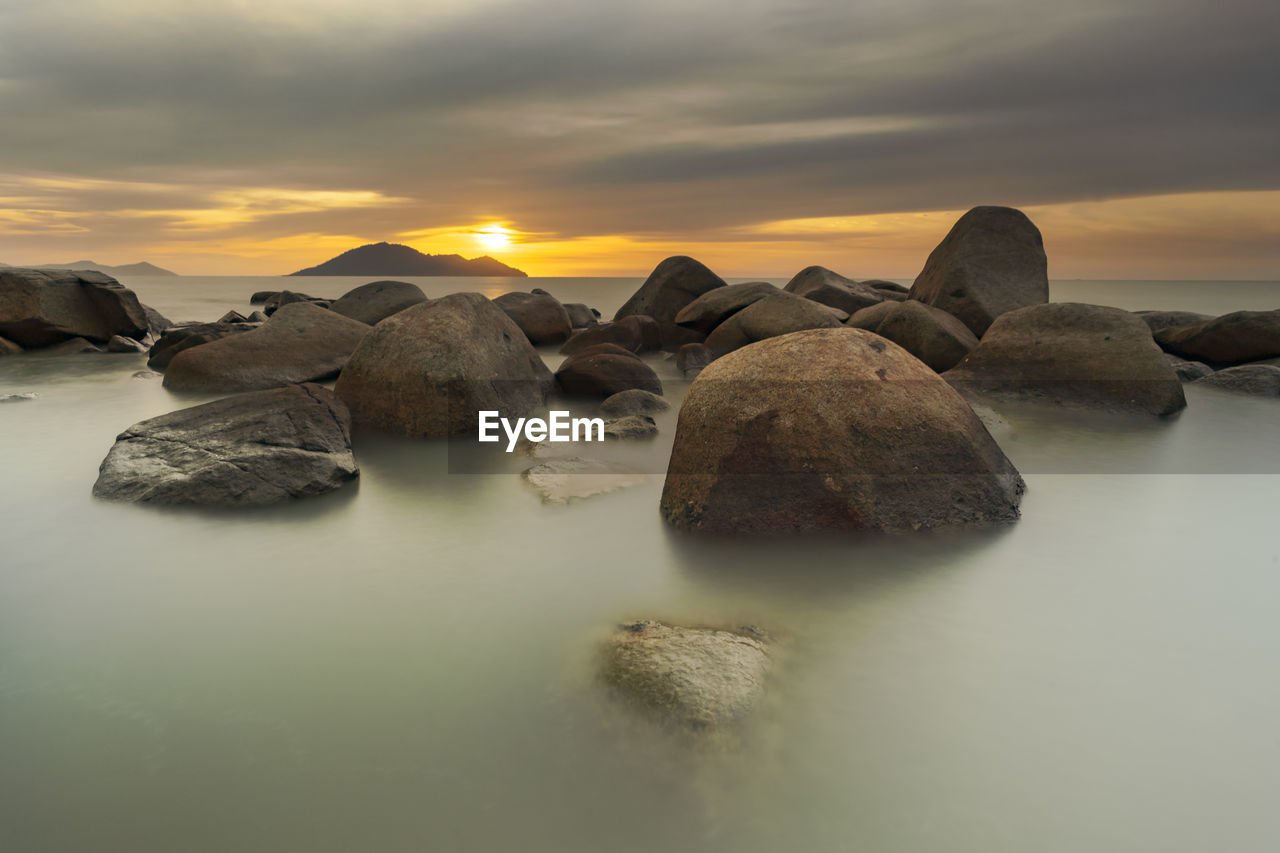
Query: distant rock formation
(140,268)
(388,259)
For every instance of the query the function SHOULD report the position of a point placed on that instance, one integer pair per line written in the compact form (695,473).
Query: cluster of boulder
(60,312)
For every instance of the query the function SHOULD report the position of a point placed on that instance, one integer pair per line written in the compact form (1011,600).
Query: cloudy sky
(579,137)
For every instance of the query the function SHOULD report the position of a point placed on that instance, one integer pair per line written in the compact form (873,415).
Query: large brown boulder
(992,261)
(672,285)
(429,370)
(39,308)
(715,306)
(257,448)
(830,288)
(373,302)
(178,338)
(779,314)
(1087,356)
(300,343)
(603,371)
(930,334)
(832,430)
(540,316)
(1234,338)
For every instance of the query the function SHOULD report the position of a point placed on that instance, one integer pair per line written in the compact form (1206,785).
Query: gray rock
(633,402)
(631,426)
(829,288)
(1258,380)
(180,338)
(18,398)
(542,319)
(233,317)
(430,369)
(564,479)
(701,679)
(580,315)
(991,262)
(119,343)
(300,343)
(1188,371)
(886,286)
(250,449)
(779,314)
(671,286)
(288,297)
(716,305)
(1231,339)
(373,302)
(832,430)
(257,317)
(1158,321)
(635,333)
(692,358)
(260,297)
(40,308)
(1086,356)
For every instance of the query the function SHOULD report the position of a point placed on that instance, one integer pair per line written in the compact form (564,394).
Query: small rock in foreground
(562,479)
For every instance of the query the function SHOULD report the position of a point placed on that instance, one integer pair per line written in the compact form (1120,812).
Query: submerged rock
(671,286)
(832,430)
(18,398)
(373,302)
(631,426)
(1257,380)
(697,678)
(1231,339)
(8,347)
(605,370)
(180,338)
(692,358)
(119,343)
(41,308)
(1188,371)
(257,448)
(991,262)
(633,402)
(563,479)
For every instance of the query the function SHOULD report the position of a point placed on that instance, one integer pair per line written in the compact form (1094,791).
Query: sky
(596,137)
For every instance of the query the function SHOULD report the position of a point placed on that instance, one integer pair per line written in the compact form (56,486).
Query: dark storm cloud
(581,116)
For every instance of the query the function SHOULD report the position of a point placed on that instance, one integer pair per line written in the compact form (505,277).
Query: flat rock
(373,302)
(718,304)
(779,314)
(631,426)
(41,308)
(633,402)
(991,262)
(257,448)
(429,370)
(832,430)
(300,343)
(564,479)
(1258,380)
(542,319)
(1231,339)
(672,285)
(1067,353)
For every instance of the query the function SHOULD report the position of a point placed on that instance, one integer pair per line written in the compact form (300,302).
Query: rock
(257,317)
(633,402)
(73,346)
(373,302)
(429,370)
(635,333)
(119,343)
(991,262)
(716,305)
(1258,380)
(832,430)
(157,325)
(1231,339)
(300,343)
(580,316)
(886,286)
(671,286)
(180,338)
(770,317)
(262,296)
(288,297)
(542,319)
(702,679)
(692,358)
(562,479)
(146,374)
(250,449)
(871,317)
(597,373)
(1188,371)
(8,347)
(40,308)
(822,285)
(1086,356)
(18,398)
(631,426)
(1158,321)
(233,317)
(930,334)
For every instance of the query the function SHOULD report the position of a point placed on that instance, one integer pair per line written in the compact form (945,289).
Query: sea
(409,664)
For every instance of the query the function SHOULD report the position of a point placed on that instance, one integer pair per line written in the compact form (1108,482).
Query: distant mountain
(388,259)
(142,268)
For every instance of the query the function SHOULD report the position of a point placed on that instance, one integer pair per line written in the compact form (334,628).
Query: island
(390,259)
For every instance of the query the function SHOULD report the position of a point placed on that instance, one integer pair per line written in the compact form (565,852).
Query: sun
(493,236)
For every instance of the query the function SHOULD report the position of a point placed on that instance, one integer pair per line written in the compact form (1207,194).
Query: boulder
(595,372)
(257,317)
(991,262)
(74,346)
(1188,371)
(633,402)
(930,334)
(779,314)
(1158,321)
(8,347)
(580,316)
(631,426)
(40,308)
(19,398)
(563,479)
(700,679)
(884,286)
(260,297)
(832,430)
(157,325)
(429,370)
(672,285)
(716,305)
(1258,380)
(1087,356)
(1231,339)
(636,333)
(692,358)
(179,338)
(233,317)
(288,297)
(300,343)
(370,303)
(119,343)
(542,319)
(829,288)
(249,449)
(869,318)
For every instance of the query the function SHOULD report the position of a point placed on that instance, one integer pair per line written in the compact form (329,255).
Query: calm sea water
(407,665)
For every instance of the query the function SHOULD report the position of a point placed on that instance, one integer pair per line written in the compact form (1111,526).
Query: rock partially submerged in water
(830,288)
(930,334)
(672,285)
(631,426)
(692,358)
(633,402)
(1188,371)
(41,308)
(262,447)
(567,478)
(179,338)
(539,315)
(300,343)
(718,304)
(373,302)
(604,370)
(992,261)
(1158,321)
(1231,339)
(1067,353)
(832,430)
(1257,380)
(8,347)
(697,678)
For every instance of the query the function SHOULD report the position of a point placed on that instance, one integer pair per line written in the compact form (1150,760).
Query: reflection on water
(408,665)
